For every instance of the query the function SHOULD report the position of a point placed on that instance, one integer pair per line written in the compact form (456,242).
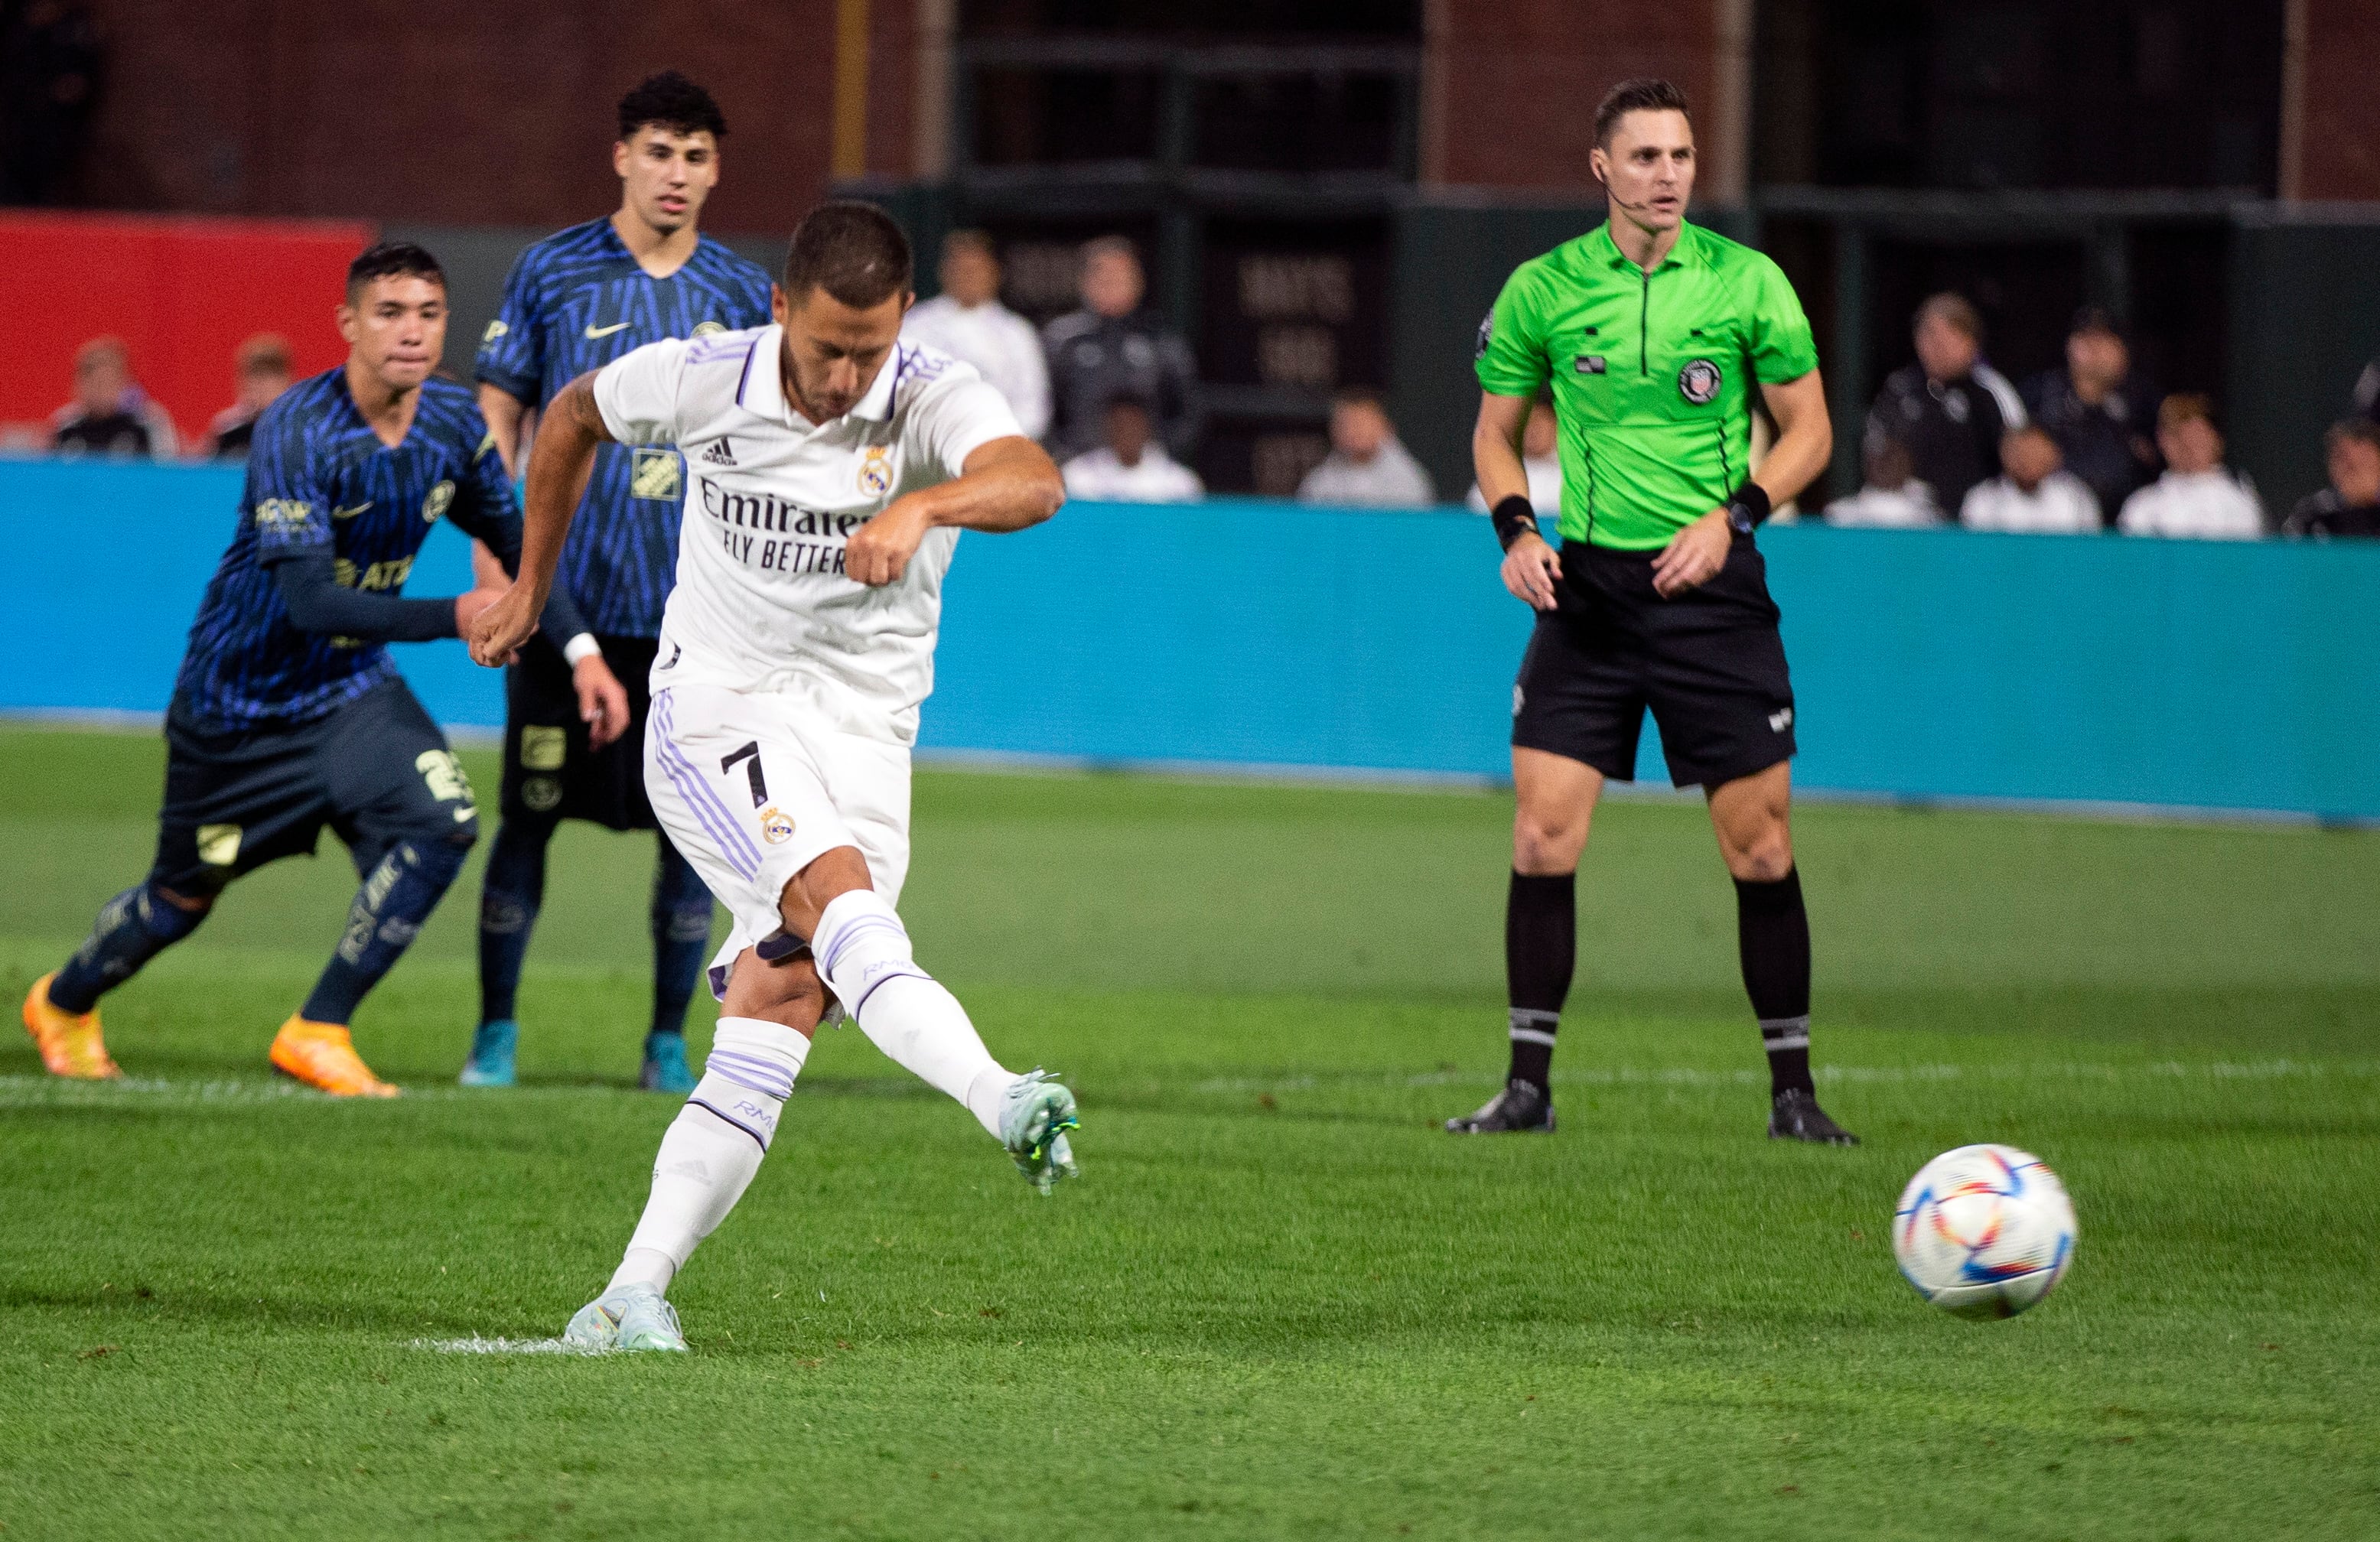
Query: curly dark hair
(1642,95)
(671,102)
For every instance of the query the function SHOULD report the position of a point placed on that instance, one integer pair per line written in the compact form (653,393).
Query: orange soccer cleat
(322,1056)
(69,1041)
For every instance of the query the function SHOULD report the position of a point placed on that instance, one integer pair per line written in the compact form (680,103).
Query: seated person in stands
(2197,497)
(1132,466)
(2034,494)
(2100,410)
(2350,505)
(1540,458)
(1892,497)
(110,415)
(261,368)
(1366,466)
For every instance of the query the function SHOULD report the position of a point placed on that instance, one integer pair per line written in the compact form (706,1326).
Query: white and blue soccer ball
(1984,1230)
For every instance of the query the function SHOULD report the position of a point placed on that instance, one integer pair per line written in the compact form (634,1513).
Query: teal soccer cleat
(492,1054)
(631,1318)
(665,1069)
(1035,1114)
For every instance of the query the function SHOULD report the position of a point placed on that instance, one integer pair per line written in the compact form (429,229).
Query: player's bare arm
(572,428)
(1008,484)
(1805,438)
(1531,568)
(506,414)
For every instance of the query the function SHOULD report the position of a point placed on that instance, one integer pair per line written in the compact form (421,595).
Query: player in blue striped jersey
(574,302)
(288,713)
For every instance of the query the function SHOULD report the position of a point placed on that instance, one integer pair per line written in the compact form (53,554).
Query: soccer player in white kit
(831,467)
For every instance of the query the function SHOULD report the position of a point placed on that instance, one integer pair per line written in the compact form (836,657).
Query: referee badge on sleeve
(1699,381)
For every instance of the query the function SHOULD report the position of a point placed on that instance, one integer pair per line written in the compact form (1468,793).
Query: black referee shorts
(1710,663)
(549,770)
(376,770)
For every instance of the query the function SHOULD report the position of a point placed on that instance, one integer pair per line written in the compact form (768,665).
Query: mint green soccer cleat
(1035,1114)
(632,1318)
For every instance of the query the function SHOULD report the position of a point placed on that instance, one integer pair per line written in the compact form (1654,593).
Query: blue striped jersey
(574,302)
(321,483)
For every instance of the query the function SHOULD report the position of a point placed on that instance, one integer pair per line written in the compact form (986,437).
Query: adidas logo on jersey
(719,454)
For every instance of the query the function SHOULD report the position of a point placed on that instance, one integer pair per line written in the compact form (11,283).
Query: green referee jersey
(1651,373)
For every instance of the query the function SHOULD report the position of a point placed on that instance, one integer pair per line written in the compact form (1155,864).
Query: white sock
(713,1147)
(864,955)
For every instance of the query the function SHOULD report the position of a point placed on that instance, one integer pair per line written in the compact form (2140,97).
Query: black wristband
(1515,517)
(1747,507)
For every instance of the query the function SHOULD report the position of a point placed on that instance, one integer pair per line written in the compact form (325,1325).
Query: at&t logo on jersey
(876,471)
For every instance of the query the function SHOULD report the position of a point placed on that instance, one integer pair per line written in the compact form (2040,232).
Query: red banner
(183,292)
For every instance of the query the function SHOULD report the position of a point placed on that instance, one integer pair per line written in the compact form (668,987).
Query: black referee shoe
(1794,1114)
(1523,1108)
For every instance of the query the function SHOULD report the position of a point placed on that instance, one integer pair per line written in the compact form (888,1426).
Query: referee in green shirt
(1650,333)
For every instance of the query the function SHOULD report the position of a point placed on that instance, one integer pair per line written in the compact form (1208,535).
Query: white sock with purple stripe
(864,955)
(713,1147)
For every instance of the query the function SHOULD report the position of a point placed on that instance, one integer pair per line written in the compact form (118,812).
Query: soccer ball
(1984,1230)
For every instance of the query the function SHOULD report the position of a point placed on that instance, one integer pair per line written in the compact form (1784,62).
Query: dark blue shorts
(376,771)
(550,772)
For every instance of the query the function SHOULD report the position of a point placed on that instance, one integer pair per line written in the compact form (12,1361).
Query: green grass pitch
(1280,1303)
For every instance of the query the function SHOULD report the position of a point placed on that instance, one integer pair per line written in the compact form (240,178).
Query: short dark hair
(1359,396)
(1644,94)
(852,250)
(391,260)
(674,103)
(2360,431)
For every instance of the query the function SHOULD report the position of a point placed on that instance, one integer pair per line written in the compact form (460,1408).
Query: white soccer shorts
(755,786)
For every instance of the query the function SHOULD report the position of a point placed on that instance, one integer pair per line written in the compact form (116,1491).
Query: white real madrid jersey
(762,601)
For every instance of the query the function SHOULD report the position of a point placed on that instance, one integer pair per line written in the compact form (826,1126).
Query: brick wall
(497,111)
(1513,83)
(2341,130)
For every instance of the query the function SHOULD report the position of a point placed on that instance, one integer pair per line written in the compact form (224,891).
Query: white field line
(476,1345)
(1679,1076)
(32,1092)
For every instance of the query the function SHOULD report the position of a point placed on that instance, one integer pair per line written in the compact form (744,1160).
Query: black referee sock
(1773,931)
(1540,951)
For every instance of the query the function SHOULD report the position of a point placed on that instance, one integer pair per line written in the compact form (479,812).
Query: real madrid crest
(776,825)
(1699,381)
(876,471)
(434,506)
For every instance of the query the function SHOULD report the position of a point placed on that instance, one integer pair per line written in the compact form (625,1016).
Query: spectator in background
(260,367)
(1113,347)
(1892,497)
(110,415)
(1541,458)
(2033,494)
(968,322)
(50,57)
(1367,466)
(2197,497)
(1950,409)
(1132,466)
(2350,505)
(2099,411)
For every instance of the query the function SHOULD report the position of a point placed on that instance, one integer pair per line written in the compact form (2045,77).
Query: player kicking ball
(830,468)
(288,713)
